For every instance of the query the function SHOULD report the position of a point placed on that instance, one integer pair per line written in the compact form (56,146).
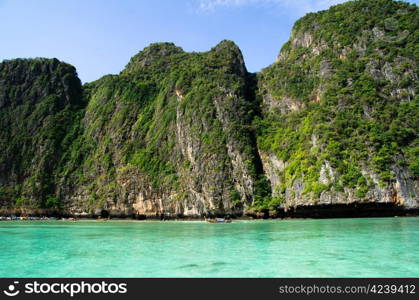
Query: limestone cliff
(169,135)
(40,101)
(340,106)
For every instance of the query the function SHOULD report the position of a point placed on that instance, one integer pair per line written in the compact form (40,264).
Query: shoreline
(358,210)
(189,220)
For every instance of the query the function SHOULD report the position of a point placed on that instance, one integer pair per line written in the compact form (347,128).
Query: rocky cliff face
(40,100)
(332,122)
(169,135)
(340,108)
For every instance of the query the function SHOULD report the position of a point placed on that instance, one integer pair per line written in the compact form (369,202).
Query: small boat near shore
(218,220)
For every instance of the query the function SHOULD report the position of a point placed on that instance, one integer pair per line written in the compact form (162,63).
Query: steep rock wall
(340,108)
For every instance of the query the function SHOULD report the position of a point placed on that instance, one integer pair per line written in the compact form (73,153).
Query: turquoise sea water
(382,247)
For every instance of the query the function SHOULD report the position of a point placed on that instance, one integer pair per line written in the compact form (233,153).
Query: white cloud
(296,6)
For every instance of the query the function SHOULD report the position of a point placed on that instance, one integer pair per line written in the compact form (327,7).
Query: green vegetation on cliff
(345,91)
(40,101)
(173,128)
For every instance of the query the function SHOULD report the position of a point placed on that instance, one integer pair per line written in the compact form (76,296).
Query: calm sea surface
(382,247)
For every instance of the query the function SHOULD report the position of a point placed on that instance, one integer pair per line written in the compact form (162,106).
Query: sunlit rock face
(340,108)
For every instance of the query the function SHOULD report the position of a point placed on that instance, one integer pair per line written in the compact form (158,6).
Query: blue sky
(98,37)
